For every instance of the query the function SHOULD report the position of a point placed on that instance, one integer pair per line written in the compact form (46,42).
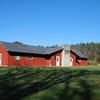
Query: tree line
(92,50)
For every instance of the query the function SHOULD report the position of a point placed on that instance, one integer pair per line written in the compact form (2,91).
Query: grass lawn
(50,83)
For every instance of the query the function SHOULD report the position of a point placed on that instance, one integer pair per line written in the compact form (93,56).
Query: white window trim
(18,59)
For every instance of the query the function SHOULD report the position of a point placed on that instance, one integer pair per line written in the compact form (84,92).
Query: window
(18,58)
(30,57)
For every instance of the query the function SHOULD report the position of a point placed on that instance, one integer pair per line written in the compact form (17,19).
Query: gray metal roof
(79,54)
(13,47)
(19,48)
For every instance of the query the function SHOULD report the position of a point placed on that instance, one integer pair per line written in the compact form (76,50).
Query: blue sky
(50,22)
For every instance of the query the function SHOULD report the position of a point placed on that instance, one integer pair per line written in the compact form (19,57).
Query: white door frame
(57,60)
(0,59)
(71,61)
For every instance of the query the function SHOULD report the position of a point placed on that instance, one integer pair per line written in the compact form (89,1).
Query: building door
(57,61)
(71,61)
(0,58)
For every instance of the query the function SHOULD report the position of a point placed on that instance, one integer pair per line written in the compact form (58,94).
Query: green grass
(50,83)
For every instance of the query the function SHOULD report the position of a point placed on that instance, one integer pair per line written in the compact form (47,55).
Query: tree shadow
(83,93)
(87,92)
(20,84)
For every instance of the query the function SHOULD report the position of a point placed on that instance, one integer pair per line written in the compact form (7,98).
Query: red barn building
(12,54)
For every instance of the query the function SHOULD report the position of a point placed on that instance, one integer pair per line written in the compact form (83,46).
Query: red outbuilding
(12,54)
(78,59)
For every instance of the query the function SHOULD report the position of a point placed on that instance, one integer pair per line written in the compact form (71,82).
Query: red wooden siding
(37,60)
(82,62)
(53,58)
(9,59)
(4,59)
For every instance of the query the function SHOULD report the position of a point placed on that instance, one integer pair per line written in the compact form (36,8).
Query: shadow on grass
(19,84)
(82,93)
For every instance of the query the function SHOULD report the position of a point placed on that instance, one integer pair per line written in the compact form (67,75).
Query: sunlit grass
(50,83)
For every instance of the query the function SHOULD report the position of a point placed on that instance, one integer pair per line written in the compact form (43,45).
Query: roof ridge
(14,47)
